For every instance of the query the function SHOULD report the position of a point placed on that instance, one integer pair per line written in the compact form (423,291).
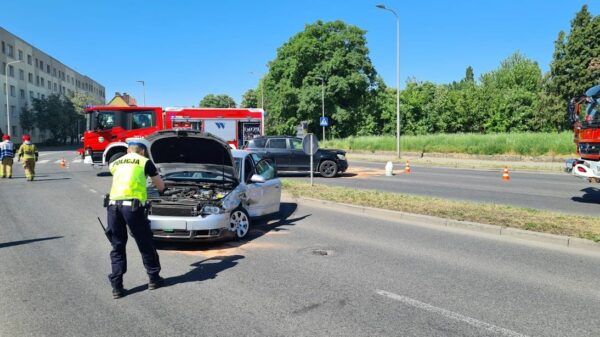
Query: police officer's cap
(136,143)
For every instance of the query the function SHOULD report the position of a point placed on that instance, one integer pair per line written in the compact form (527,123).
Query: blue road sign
(324,121)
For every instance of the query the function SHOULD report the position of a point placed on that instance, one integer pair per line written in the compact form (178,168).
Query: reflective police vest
(129,179)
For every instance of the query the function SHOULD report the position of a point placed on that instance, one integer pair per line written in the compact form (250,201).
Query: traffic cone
(63,164)
(407,167)
(505,175)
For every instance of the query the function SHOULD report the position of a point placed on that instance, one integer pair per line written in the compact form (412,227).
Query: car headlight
(341,156)
(228,204)
(210,209)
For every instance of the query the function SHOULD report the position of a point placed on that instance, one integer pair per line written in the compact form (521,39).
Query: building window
(31,95)
(42,65)
(11,71)
(42,81)
(11,51)
(54,72)
(49,85)
(28,59)
(21,75)
(30,77)
(3,48)
(48,68)
(22,92)
(37,80)
(55,87)
(36,62)
(12,90)
(21,55)
(3,68)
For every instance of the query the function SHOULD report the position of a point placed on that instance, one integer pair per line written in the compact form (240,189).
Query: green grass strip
(524,143)
(516,217)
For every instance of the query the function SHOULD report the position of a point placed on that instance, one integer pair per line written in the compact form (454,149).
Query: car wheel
(115,157)
(328,169)
(240,219)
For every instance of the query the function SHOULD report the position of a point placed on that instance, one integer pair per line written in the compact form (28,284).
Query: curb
(395,216)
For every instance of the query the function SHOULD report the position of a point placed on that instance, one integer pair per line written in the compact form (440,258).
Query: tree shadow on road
(591,196)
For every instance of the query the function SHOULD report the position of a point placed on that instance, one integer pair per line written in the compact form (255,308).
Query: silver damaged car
(209,194)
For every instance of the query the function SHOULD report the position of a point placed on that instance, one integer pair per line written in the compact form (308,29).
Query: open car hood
(183,150)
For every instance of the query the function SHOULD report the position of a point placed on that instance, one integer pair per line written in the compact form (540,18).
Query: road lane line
(451,315)
(77,160)
(93,190)
(43,161)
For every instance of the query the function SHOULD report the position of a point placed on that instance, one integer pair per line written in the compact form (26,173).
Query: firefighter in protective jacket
(30,155)
(7,153)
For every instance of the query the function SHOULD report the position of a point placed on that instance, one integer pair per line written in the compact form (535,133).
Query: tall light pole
(397,76)
(7,90)
(144,87)
(322,101)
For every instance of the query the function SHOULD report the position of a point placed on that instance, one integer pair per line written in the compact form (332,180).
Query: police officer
(30,155)
(6,156)
(127,206)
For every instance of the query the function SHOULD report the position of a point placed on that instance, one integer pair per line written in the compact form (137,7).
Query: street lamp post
(144,87)
(397,76)
(7,90)
(322,101)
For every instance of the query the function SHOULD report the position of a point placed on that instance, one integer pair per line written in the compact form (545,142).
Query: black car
(287,153)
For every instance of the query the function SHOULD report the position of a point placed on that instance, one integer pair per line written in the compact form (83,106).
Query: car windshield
(198,176)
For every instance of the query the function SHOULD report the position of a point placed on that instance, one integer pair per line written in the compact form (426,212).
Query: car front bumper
(342,165)
(199,228)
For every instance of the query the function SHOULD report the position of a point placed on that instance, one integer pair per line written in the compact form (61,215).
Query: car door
(276,149)
(298,160)
(263,197)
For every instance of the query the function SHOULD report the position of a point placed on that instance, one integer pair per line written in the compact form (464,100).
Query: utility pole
(144,88)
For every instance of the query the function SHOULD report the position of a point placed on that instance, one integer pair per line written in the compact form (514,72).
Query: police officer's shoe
(118,292)
(156,283)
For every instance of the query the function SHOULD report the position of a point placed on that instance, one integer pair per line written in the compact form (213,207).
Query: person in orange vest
(30,155)
(7,152)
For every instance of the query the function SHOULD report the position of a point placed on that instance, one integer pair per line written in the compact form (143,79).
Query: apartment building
(35,75)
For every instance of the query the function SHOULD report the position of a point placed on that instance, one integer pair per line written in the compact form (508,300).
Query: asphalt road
(550,191)
(314,272)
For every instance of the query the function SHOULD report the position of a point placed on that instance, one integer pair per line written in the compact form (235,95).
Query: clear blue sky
(187,49)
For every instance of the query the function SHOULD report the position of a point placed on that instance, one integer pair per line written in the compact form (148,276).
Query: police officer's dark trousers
(118,216)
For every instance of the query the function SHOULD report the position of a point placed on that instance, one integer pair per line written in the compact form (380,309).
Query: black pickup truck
(287,153)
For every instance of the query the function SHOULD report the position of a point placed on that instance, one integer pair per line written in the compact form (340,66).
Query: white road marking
(43,161)
(93,190)
(58,161)
(451,315)
(78,160)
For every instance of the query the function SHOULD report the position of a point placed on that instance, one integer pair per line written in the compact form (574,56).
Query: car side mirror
(257,178)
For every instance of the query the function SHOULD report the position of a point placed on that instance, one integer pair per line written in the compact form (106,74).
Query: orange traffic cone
(63,164)
(407,167)
(505,175)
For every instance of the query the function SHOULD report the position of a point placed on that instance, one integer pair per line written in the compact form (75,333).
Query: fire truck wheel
(115,157)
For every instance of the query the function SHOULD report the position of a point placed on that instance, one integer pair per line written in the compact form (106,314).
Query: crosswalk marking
(43,161)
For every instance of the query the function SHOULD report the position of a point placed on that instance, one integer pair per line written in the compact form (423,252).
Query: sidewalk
(520,163)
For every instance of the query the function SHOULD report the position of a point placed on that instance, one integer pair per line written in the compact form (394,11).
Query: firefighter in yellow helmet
(30,155)
(127,207)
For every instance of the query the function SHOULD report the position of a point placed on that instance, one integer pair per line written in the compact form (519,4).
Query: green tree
(27,119)
(58,115)
(469,75)
(573,69)
(217,101)
(249,99)
(332,51)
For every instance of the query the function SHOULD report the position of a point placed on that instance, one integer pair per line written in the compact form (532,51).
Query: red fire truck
(109,126)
